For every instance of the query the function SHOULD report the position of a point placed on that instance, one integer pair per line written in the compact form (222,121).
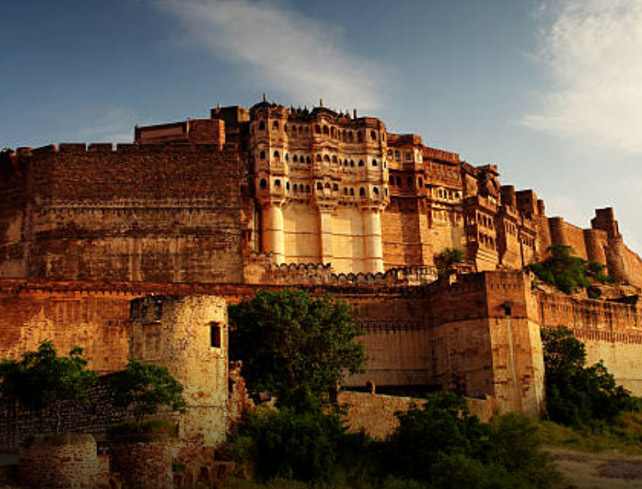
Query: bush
(569,273)
(289,444)
(445,447)
(577,395)
(445,260)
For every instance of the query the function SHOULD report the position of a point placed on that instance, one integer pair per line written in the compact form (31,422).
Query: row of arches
(344,135)
(319,158)
(298,188)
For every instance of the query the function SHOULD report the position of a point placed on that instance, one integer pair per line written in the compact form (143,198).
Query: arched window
(374,163)
(277,155)
(373,135)
(275,125)
(375,190)
(345,190)
(350,136)
(308,160)
(263,183)
(319,186)
(360,162)
(334,158)
(362,192)
(287,157)
(351,162)
(360,137)
(295,159)
(277,183)
(327,185)
(318,157)
(333,132)
(326,158)
(385,190)
(307,189)
(262,155)
(352,192)
(295,187)
(385,165)
(335,187)
(317,129)
(262,126)
(326,131)
(287,185)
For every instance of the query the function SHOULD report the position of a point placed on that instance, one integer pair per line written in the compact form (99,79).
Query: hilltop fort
(332,202)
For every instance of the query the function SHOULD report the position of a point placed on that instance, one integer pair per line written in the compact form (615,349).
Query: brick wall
(141,213)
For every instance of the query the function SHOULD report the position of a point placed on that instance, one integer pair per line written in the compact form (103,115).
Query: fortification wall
(140,213)
(611,331)
(633,266)
(402,244)
(13,206)
(97,322)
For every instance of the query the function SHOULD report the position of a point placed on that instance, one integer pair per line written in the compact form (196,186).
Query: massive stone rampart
(140,213)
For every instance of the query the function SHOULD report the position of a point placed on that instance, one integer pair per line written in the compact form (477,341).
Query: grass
(625,435)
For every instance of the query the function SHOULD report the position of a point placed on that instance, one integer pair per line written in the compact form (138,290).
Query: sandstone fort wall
(140,213)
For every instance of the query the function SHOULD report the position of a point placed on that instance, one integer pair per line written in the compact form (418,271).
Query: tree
(145,388)
(575,394)
(447,258)
(289,341)
(42,379)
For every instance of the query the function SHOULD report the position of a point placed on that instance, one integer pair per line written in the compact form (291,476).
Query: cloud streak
(591,49)
(297,56)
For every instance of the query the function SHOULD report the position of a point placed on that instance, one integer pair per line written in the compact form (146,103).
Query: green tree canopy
(145,388)
(289,341)
(575,394)
(41,379)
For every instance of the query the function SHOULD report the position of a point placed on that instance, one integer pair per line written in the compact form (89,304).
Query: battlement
(125,148)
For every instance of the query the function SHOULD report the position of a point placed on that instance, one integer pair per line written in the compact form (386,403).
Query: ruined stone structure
(204,212)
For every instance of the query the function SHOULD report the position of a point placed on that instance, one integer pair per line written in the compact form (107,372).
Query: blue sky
(549,90)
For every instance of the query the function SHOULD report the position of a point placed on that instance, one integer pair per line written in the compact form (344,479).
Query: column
(273,233)
(373,260)
(325,233)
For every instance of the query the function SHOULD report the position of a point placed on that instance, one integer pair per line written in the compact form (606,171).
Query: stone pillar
(325,229)
(273,231)
(373,259)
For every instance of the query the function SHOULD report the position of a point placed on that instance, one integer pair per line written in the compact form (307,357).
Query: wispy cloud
(300,57)
(114,124)
(592,49)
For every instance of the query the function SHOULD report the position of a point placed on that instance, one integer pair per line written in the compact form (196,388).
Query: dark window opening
(215,335)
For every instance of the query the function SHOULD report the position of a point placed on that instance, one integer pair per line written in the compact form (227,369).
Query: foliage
(444,446)
(290,444)
(578,395)
(567,272)
(42,379)
(288,340)
(447,258)
(145,388)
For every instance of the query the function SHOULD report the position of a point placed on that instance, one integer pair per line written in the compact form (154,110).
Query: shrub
(577,395)
(445,260)
(569,273)
(42,379)
(290,444)
(145,388)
